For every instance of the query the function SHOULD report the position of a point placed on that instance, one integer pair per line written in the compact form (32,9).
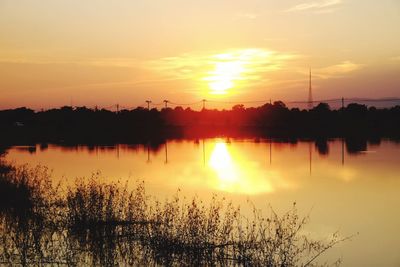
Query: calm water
(351,187)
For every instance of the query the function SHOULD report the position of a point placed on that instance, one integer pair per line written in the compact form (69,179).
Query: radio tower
(310,100)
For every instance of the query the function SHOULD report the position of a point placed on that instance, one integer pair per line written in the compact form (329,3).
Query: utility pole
(148,104)
(342,103)
(204,103)
(117,108)
(166,103)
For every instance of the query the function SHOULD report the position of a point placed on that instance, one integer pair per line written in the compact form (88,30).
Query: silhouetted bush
(95,223)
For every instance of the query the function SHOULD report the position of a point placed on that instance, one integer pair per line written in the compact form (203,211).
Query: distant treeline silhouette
(140,125)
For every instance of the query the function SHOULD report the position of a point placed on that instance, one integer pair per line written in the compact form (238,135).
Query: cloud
(274,39)
(338,69)
(325,11)
(100,62)
(247,16)
(324,6)
(237,65)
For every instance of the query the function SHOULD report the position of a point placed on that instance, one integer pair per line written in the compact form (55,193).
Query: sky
(103,52)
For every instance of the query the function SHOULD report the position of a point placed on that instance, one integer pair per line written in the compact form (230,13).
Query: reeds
(95,223)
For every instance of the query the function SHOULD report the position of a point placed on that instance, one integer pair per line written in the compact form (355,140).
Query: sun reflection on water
(235,174)
(221,162)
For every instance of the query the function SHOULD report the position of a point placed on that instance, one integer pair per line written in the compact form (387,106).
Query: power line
(373,100)
(314,101)
(238,102)
(201,103)
(157,104)
(185,104)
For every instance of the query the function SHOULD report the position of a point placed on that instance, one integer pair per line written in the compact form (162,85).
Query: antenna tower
(310,99)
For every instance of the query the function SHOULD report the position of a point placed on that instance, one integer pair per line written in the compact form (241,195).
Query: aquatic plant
(95,223)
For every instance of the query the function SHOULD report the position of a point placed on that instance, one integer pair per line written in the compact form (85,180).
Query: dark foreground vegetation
(106,225)
(83,125)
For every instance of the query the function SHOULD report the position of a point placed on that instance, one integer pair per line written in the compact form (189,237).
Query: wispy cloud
(245,64)
(247,16)
(274,39)
(338,69)
(324,6)
(395,58)
(100,62)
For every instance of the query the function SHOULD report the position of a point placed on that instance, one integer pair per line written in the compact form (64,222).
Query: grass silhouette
(95,223)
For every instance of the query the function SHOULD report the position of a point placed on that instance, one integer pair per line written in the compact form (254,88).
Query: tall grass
(103,224)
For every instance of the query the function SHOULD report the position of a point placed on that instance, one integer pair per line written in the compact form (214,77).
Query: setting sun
(224,76)
(171,132)
(228,69)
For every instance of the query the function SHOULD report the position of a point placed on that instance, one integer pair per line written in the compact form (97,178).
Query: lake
(346,186)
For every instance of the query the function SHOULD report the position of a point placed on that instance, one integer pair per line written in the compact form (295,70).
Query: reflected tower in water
(204,154)
(148,153)
(166,152)
(270,152)
(310,155)
(343,151)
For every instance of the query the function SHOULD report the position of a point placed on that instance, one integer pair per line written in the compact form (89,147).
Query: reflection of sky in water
(349,188)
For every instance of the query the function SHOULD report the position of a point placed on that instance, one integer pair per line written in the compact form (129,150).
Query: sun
(226,72)
(217,74)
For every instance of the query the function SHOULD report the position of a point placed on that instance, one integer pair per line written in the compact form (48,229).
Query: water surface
(350,186)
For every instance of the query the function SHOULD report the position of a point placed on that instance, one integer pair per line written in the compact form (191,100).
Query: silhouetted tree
(84,125)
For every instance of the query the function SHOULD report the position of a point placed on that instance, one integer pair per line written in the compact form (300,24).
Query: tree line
(139,125)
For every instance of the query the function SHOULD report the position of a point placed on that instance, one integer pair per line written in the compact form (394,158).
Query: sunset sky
(103,52)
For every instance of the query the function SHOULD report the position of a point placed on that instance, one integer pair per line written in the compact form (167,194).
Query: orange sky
(105,52)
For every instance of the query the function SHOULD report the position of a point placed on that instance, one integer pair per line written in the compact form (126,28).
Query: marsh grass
(95,223)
